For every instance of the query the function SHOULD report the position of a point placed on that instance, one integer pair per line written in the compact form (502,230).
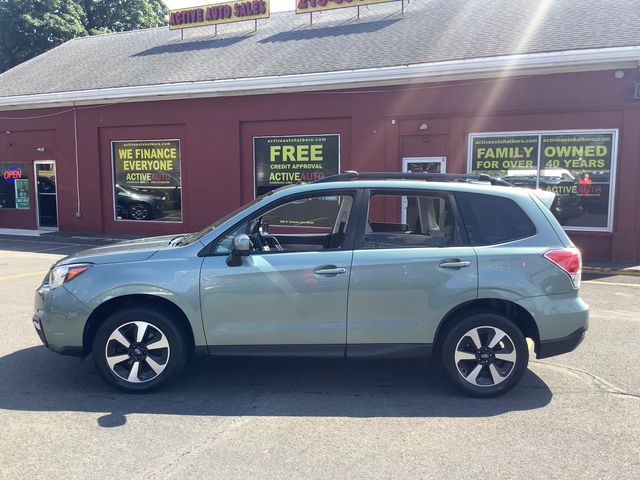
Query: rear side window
(490,219)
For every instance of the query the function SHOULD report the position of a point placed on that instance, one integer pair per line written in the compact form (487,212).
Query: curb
(612,271)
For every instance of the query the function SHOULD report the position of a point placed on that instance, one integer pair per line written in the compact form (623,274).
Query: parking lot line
(20,275)
(637,285)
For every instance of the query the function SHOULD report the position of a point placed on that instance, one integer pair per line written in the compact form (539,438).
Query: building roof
(430,32)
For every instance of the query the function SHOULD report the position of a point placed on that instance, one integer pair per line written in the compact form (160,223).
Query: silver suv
(456,267)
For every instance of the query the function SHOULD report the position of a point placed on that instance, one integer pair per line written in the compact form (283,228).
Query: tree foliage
(31,27)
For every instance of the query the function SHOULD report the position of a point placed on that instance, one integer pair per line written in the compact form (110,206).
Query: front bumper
(59,320)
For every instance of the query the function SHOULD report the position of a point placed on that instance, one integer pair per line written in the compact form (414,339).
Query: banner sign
(504,153)
(284,160)
(577,152)
(577,166)
(22,193)
(218,13)
(147,163)
(307,6)
(147,182)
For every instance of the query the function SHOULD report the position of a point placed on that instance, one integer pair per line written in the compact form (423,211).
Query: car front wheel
(484,355)
(139,349)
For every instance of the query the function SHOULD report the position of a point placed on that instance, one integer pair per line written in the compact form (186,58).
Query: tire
(139,211)
(125,360)
(491,368)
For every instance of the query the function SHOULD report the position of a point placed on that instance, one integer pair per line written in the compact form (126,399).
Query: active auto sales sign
(307,6)
(219,13)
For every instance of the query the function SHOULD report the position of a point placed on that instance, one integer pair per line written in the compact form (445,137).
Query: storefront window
(14,186)
(282,161)
(577,166)
(147,184)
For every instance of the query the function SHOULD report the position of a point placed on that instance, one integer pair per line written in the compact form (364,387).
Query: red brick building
(97,130)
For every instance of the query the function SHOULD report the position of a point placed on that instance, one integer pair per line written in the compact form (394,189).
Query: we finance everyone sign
(218,13)
(284,160)
(146,163)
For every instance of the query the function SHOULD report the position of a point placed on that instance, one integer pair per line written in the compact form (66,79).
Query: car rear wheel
(484,355)
(139,349)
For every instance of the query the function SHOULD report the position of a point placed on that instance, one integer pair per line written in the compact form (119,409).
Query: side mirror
(241,248)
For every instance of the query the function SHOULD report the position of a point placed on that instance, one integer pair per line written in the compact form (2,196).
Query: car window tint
(408,221)
(305,224)
(490,219)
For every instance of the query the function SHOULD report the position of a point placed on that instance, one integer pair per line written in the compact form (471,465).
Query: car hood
(127,251)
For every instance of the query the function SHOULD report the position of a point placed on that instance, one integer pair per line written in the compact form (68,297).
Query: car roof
(472,187)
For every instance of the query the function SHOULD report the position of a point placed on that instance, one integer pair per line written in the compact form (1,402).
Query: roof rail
(428,177)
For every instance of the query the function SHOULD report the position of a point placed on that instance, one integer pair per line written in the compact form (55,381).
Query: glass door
(420,165)
(46,196)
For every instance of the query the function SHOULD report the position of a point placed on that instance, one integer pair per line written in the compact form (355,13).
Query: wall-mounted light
(424,126)
(40,149)
(619,74)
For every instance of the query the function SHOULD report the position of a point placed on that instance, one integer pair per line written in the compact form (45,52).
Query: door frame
(37,192)
(441,160)
(405,162)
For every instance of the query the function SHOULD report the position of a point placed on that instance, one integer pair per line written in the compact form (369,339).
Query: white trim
(441,160)
(539,133)
(507,65)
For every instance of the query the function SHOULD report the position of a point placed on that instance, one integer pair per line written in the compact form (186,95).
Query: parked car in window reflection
(137,204)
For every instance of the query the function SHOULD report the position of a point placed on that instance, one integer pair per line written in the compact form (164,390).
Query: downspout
(75,137)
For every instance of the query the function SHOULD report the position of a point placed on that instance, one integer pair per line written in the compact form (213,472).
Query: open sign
(12,173)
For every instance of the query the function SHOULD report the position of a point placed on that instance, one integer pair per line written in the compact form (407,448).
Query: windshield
(197,236)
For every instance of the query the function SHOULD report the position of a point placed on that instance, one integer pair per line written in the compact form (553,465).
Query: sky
(276,5)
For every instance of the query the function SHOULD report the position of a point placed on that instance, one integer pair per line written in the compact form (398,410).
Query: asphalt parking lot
(573,416)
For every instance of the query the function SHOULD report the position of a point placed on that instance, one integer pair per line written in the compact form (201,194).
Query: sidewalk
(611,268)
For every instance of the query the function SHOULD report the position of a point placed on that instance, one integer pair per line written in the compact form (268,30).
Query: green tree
(31,27)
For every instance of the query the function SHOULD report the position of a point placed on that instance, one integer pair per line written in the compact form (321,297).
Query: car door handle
(454,263)
(329,270)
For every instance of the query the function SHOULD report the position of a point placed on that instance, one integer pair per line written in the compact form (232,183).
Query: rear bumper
(558,346)
(561,320)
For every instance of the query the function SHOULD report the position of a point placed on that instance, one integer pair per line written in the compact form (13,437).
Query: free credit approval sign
(284,160)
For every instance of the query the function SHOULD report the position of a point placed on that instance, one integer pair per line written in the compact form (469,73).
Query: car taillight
(569,260)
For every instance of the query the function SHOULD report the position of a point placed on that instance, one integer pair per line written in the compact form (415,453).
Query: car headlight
(66,273)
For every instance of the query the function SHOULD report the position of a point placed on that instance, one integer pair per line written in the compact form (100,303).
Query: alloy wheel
(139,212)
(485,356)
(137,352)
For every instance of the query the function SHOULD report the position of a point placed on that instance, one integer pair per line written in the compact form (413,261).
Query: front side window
(304,224)
(409,221)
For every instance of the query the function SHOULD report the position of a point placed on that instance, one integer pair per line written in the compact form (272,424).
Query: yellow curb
(615,284)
